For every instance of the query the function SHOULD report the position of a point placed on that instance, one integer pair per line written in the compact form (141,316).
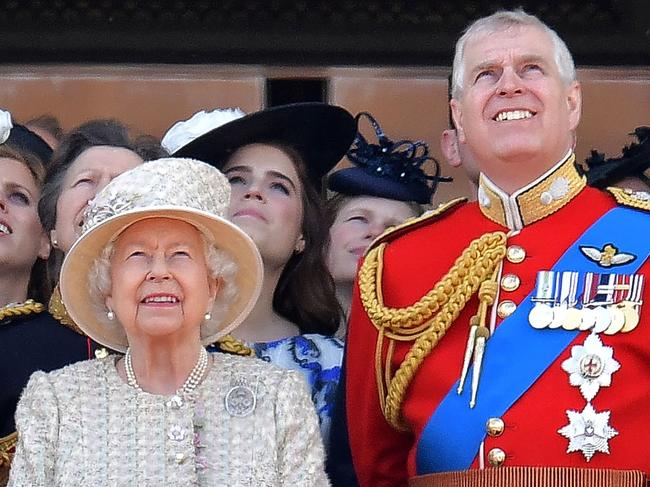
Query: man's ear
(457,117)
(574,104)
(449,147)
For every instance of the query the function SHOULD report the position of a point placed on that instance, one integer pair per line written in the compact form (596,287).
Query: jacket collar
(537,200)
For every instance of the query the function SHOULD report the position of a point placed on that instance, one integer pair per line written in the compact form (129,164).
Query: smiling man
(505,342)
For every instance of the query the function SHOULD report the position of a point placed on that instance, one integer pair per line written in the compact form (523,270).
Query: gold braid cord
(230,344)
(27,308)
(426,321)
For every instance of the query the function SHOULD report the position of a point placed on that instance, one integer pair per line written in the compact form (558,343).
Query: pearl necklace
(191,383)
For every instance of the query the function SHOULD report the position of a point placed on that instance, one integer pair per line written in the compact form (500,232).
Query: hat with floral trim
(173,188)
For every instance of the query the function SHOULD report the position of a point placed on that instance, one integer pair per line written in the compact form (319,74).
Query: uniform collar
(539,199)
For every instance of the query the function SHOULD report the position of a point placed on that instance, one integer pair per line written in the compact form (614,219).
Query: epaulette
(630,198)
(410,224)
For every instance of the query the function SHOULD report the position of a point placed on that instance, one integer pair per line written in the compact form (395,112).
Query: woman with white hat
(275,160)
(158,273)
(24,248)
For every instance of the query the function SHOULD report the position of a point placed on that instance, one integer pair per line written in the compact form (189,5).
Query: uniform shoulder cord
(230,344)
(426,321)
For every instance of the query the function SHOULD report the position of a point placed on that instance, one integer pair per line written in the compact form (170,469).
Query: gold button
(515,254)
(495,427)
(510,282)
(506,308)
(496,457)
(180,458)
(101,353)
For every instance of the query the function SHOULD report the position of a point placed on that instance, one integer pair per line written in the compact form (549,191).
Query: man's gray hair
(499,22)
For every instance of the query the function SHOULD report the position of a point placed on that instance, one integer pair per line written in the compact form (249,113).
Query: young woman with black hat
(275,160)
(385,187)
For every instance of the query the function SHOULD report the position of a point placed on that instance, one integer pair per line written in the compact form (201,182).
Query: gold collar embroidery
(539,199)
(59,313)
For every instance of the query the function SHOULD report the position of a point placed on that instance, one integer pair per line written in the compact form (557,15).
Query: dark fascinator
(387,169)
(634,162)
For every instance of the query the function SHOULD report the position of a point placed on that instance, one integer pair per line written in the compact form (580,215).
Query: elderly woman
(158,273)
(385,186)
(88,158)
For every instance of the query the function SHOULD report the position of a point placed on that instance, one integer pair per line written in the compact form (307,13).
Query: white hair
(502,21)
(220,266)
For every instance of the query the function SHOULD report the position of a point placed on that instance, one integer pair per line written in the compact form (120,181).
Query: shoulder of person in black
(29,343)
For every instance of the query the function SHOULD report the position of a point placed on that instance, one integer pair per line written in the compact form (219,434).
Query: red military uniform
(547,221)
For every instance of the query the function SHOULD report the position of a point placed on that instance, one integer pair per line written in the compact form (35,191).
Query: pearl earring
(208,316)
(110,315)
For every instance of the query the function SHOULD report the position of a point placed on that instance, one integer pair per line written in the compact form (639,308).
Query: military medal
(588,431)
(604,295)
(572,315)
(621,287)
(587,315)
(541,316)
(572,319)
(630,306)
(562,290)
(591,366)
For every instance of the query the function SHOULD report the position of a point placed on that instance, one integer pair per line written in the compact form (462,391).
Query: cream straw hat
(176,188)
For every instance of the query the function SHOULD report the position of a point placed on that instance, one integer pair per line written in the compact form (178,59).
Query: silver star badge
(591,366)
(588,431)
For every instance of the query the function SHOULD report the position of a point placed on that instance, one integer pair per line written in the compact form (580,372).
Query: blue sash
(452,437)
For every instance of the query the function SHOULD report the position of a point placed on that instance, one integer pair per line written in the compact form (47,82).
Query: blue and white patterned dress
(318,358)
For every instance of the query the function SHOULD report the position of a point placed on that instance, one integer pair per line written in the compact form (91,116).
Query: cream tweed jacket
(82,425)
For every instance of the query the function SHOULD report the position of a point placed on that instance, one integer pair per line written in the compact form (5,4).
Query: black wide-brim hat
(24,139)
(319,132)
